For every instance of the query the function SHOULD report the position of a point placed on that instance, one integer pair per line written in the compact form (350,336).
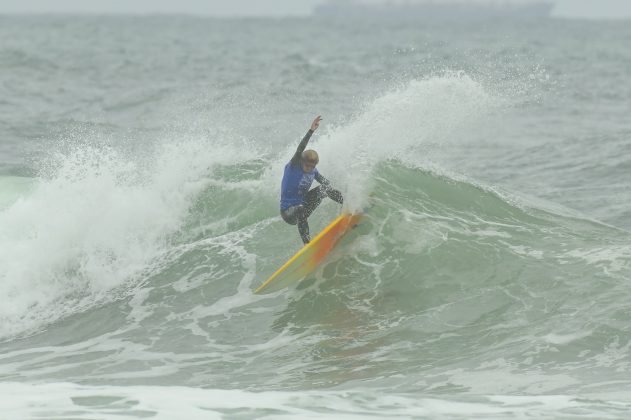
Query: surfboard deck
(311,255)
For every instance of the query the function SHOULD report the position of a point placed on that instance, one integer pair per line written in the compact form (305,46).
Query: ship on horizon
(434,10)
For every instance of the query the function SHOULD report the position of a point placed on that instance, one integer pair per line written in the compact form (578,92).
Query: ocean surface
(140,167)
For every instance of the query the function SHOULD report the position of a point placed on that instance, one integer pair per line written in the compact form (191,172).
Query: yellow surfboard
(311,255)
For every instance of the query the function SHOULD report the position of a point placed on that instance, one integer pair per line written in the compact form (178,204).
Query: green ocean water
(141,160)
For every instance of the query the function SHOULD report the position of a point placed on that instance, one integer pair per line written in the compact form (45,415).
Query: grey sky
(564,8)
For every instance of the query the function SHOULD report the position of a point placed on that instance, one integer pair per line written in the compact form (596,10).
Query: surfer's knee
(293,214)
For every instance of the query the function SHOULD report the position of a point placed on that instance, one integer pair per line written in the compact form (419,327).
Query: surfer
(297,201)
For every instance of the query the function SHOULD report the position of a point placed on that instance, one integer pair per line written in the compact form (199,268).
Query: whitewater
(139,191)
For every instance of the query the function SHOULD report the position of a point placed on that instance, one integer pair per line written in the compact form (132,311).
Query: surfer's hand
(316,123)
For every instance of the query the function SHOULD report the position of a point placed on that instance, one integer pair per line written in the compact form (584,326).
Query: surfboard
(311,255)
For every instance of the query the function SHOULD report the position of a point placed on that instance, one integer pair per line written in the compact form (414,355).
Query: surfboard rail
(311,255)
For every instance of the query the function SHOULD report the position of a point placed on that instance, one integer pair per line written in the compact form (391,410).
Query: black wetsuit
(297,201)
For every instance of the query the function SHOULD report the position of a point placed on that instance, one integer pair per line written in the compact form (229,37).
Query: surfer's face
(308,165)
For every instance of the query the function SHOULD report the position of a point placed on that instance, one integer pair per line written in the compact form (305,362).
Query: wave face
(128,264)
(152,266)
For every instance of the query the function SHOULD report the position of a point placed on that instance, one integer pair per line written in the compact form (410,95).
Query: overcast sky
(564,8)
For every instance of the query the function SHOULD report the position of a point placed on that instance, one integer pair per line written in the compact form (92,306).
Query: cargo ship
(434,10)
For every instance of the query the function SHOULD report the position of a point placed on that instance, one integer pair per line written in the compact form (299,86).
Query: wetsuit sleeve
(322,180)
(333,194)
(295,160)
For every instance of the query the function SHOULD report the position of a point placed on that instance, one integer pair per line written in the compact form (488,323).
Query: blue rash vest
(295,186)
(296,182)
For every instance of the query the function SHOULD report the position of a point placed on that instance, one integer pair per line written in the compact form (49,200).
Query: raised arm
(295,160)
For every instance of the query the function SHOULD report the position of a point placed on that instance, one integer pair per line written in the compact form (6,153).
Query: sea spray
(409,120)
(93,222)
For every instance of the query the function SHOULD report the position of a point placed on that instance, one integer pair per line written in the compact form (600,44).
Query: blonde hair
(310,155)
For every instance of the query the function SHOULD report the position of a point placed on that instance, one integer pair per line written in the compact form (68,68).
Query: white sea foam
(93,224)
(71,401)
